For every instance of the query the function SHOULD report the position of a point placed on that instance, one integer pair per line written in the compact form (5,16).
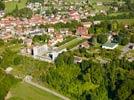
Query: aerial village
(66,49)
(28,28)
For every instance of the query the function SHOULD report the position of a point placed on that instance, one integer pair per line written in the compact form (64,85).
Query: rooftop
(109,44)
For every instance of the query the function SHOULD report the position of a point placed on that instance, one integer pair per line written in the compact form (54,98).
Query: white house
(2,13)
(109,45)
(51,29)
(40,50)
(87,24)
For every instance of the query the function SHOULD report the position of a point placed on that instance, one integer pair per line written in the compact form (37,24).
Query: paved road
(46,89)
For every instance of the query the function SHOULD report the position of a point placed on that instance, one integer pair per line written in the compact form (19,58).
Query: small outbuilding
(109,45)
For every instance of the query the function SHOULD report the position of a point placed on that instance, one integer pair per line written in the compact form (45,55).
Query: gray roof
(109,44)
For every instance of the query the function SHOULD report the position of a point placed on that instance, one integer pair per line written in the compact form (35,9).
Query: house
(86,36)
(2,13)
(53,21)
(81,30)
(85,44)
(77,59)
(36,20)
(87,24)
(103,12)
(8,70)
(50,30)
(27,50)
(58,37)
(126,26)
(96,22)
(99,3)
(64,31)
(74,15)
(92,14)
(39,50)
(28,42)
(109,45)
(35,32)
(6,36)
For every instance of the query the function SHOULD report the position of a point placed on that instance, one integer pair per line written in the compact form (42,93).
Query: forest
(91,80)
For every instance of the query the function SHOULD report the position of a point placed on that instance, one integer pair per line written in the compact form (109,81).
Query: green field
(118,13)
(24,91)
(72,43)
(126,21)
(11,5)
(102,0)
(67,39)
(123,21)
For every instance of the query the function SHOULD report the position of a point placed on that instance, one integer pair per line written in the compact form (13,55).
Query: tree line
(91,80)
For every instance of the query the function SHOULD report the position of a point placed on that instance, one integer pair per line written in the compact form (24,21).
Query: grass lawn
(118,13)
(126,21)
(101,7)
(24,91)
(67,39)
(11,5)
(103,0)
(72,43)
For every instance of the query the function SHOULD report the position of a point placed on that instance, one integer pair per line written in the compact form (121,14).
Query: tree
(64,58)
(1,42)
(17,60)
(15,11)
(2,5)
(132,38)
(40,38)
(126,90)
(16,41)
(33,1)
(91,29)
(114,26)
(7,81)
(84,65)
(102,38)
(22,13)
(96,74)
(124,41)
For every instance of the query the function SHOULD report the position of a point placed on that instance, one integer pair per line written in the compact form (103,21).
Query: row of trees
(105,27)
(40,38)
(128,15)
(72,25)
(22,13)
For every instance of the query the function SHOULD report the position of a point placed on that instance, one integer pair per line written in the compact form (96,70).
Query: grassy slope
(71,43)
(24,91)
(10,6)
